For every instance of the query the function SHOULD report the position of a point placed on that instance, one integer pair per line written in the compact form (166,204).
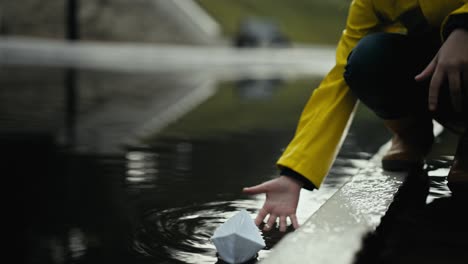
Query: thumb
(257,189)
(428,71)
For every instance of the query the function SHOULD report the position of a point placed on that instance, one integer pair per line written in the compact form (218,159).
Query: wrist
(291,180)
(454,23)
(304,182)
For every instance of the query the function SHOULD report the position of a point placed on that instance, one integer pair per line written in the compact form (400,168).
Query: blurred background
(128,128)
(156,21)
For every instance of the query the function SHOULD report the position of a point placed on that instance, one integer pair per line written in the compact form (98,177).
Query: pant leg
(381,70)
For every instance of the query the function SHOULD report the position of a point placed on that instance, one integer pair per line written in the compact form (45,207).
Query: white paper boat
(238,239)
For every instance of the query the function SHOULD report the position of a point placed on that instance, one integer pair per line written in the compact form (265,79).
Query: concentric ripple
(183,234)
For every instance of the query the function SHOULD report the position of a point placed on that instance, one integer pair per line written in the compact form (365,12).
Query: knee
(377,57)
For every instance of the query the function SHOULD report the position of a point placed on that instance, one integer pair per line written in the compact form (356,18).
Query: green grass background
(228,113)
(303,21)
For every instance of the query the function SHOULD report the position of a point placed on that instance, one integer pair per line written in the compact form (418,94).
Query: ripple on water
(184,233)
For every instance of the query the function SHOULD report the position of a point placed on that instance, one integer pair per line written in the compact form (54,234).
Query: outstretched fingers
(257,189)
(294,221)
(283,223)
(270,223)
(260,216)
(428,71)
(455,85)
(434,88)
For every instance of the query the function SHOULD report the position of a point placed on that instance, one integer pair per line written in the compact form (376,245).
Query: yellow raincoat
(325,117)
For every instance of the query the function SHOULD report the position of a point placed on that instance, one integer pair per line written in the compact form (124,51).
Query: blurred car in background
(260,32)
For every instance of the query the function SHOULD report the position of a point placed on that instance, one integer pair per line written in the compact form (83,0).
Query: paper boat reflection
(238,240)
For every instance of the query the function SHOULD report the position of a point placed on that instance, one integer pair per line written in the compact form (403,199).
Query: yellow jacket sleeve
(448,27)
(325,116)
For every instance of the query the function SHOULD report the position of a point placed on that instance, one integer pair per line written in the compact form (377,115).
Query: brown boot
(412,140)
(458,175)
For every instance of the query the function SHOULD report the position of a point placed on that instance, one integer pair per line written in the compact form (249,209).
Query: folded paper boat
(238,240)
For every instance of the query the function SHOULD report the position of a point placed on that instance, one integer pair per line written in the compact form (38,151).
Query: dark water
(438,165)
(418,228)
(158,201)
(191,196)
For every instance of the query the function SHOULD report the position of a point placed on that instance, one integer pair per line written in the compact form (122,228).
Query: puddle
(158,201)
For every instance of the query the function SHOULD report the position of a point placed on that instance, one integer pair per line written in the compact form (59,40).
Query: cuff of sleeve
(454,22)
(292,174)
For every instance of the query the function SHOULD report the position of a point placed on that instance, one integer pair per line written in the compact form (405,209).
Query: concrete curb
(224,62)
(333,235)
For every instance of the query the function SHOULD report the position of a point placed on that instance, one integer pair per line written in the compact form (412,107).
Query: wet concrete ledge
(334,234)
(221,61)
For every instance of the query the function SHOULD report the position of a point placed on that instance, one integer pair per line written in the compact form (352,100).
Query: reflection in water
(141,169)
(159,204)
(184,233)
(66,208)
(251,89)
(191,195)
(437,170)
(186,189)
(413,231)
(182,195)
(77,243)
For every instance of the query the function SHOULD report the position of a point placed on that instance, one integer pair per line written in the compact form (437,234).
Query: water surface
(159,198)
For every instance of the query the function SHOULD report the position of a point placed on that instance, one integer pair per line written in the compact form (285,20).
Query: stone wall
(38,18)
(100,20)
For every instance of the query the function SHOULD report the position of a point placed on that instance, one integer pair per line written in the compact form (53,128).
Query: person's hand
(282,197)
(450,63)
